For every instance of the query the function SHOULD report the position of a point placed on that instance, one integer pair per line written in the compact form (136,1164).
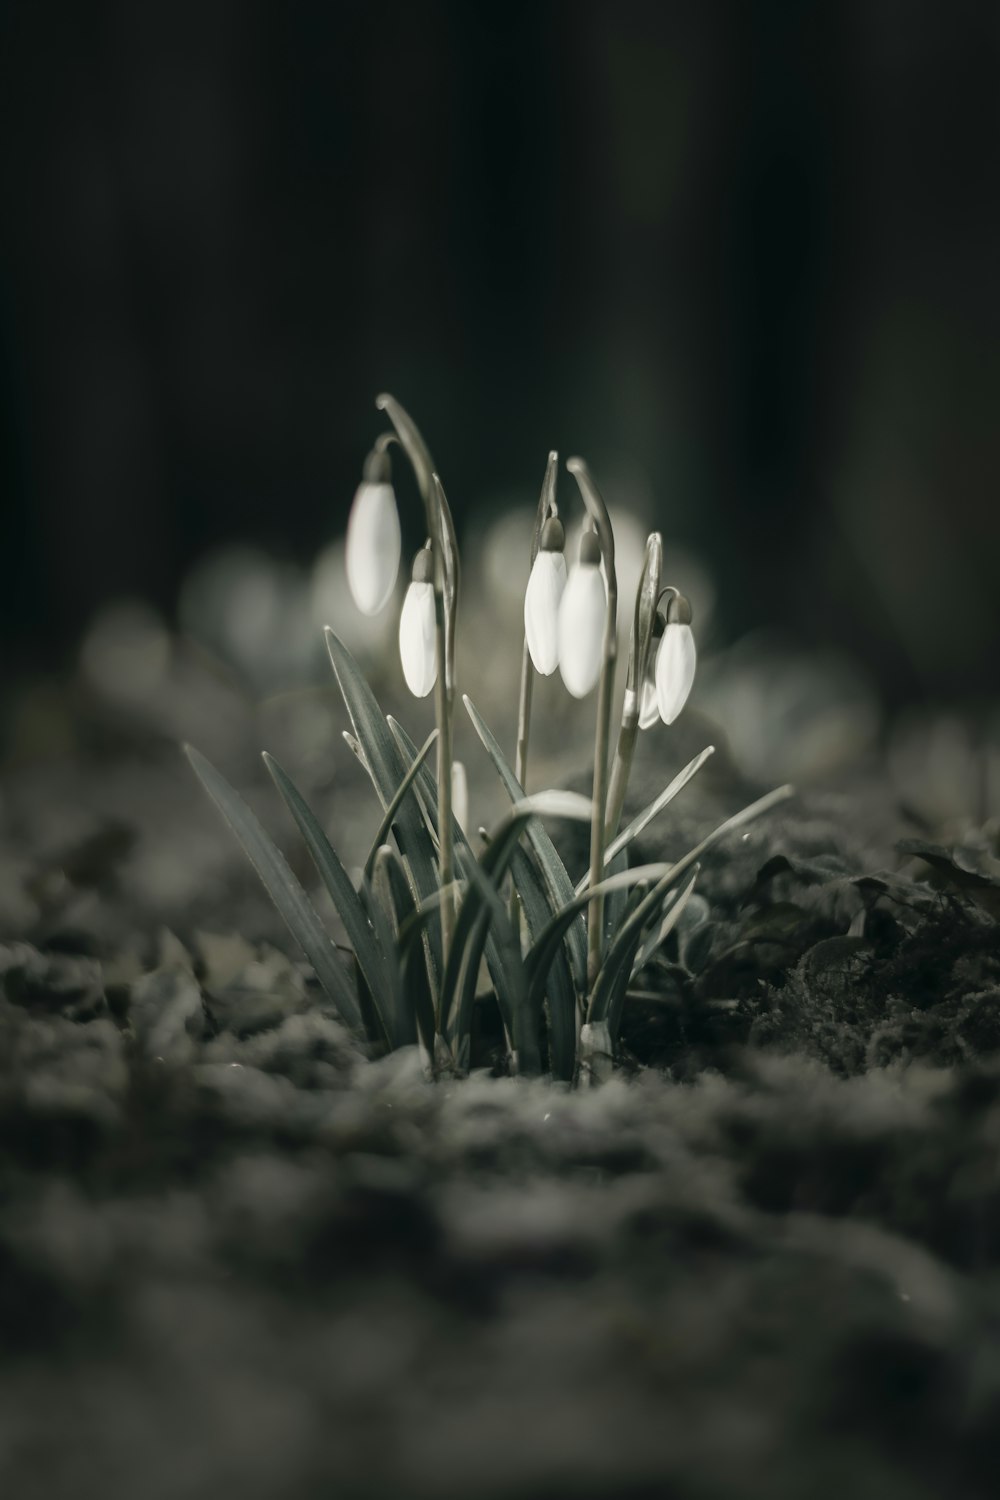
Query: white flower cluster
(564,613)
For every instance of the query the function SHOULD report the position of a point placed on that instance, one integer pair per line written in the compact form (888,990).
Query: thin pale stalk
(598,513)
(640,644)
(621,770)
(443,704)
(524,717)
(595,919)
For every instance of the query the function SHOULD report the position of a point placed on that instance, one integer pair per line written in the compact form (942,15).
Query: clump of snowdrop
(429,911)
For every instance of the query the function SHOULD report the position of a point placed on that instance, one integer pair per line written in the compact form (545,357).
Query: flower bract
(373,546)
(675,663)
(460,795)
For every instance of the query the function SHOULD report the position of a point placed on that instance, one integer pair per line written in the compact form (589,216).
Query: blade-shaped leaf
(385,767)
(477,909)
(666,927)
(612,981)
(553,870)
(400,793)
(540,956)
(281,885)
(643,819)
(382,902)
(426,790)
(562,1003)
(370,953)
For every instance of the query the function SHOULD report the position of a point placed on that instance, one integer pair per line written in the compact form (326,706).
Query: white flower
(541,610)
(373,546)
(581,622)
(417,638)
(460,795)
(675,664)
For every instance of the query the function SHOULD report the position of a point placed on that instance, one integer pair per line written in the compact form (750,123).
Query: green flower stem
(546,507)
(640,644)
(622,768)
(524,717)
(441,531)
(598,512)
(605,689)
(444,704)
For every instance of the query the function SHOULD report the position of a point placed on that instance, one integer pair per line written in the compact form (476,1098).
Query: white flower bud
(675,664)
(460,795)
(541,610)
(373,546)
(581,623)
(417,638)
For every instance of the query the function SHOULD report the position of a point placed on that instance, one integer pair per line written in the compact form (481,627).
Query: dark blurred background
(744,255)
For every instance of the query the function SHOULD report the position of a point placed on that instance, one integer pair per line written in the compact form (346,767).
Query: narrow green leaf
(475,914)
(563,1019)
(413,973)
(379,896)
(425,788)
(612,981)
(281,885)
(542,952)
(666,927)
(643,819)
(371,955)
(401,791)
(738,820)
(385,767)
(553,870)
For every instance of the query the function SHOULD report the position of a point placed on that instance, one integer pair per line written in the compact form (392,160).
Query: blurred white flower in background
(373,546)
(126,652)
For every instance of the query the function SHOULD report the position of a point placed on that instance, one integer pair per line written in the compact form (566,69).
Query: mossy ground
(237,1257)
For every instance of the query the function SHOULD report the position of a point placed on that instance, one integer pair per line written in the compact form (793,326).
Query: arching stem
(598,512)
(640,644)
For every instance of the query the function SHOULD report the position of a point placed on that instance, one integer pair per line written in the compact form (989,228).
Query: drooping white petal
(675,664)
(460,795)
(541,610)
(373,546)
(649,709)
(416,639)
(581,628)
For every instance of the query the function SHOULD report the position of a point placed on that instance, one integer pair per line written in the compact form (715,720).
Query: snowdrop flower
(417,643)
(542,598)
(460,795)
(373,540)
(581,620)
(675,660)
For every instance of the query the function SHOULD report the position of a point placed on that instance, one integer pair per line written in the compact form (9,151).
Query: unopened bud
(581,620)
(417,631)
(373,538)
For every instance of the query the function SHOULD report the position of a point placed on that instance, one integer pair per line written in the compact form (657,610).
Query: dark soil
(238,1258)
